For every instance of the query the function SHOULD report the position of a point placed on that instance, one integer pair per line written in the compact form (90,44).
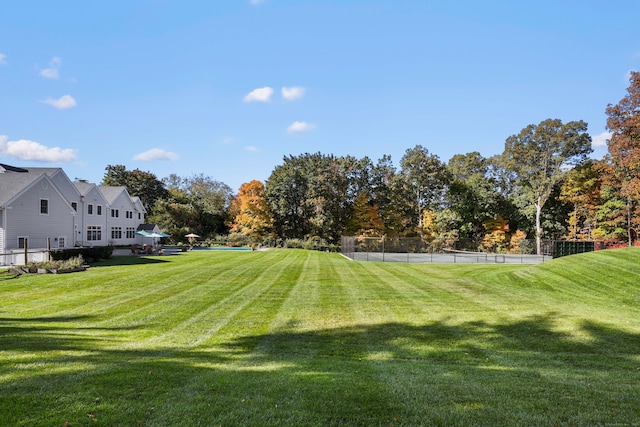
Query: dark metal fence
(417,250)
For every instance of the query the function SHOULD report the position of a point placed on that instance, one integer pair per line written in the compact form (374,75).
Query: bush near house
(89,254)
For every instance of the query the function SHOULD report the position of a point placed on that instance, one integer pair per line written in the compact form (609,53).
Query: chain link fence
(417,250)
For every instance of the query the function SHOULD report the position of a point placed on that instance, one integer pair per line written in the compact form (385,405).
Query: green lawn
(298,338)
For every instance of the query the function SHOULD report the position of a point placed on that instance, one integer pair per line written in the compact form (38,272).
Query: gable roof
(48,171)
(12,184)
(138,203)
(83,187)
(111,193)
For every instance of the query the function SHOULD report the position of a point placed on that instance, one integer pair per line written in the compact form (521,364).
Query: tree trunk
(629,222)
(575,223)
(538,228)
(420,222)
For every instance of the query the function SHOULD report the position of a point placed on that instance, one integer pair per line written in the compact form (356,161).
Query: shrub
(66,264)
(90,254)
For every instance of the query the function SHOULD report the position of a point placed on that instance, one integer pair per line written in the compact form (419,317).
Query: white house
(123,217)
(43,208)
(33,212)
(92,223)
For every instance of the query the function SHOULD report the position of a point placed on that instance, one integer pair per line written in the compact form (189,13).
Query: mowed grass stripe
(239,305)
(103,289)
(182,297)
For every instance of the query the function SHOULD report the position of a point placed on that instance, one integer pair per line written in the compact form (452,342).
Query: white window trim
(96,229)
(40,207)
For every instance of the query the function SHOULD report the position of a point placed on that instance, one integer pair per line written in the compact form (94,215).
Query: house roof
(84,187)
(48,171)
(111,193)
(148,227)
(12,184)
(137,201)
(9,168)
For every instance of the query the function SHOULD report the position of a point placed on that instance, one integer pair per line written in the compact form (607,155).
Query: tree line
(542,186)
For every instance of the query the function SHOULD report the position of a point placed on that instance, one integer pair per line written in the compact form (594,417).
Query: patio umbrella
(191,237)
(154,234)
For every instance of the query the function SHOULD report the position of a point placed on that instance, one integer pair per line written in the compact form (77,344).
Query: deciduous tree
(581,188)
(422,179)
(250,214)
(144,185)
(539,157)
(624,146)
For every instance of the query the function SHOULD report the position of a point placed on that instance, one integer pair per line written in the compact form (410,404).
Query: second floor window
(44,206)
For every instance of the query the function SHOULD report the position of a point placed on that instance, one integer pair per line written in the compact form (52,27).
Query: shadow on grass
(6,275)
(129,260)
(441,373)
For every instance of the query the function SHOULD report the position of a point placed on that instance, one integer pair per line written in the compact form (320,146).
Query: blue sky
(226,88)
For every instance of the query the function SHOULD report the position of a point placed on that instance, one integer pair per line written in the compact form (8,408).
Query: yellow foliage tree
(496,237)
(250,212)
(366,219)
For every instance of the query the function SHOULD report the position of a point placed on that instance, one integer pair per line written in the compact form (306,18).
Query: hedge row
(93,254)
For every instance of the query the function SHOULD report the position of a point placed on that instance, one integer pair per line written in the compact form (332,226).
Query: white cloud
(251,148)
(3,59)
(262,94)
(229,140)
(600,140)
(24,149)
(53,72)
(155,154)
(292,93)
(62,103)
(300,127)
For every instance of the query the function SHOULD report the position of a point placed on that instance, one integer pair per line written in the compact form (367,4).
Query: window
(131,232)
(44,206)
(60,241)
(94,232)
(138,215)
(116,232)
(74,205)
(129,214)
(115,213)
(22,240)
(90,209)
(99,210)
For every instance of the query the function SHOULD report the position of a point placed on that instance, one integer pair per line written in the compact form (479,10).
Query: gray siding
(24,219)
